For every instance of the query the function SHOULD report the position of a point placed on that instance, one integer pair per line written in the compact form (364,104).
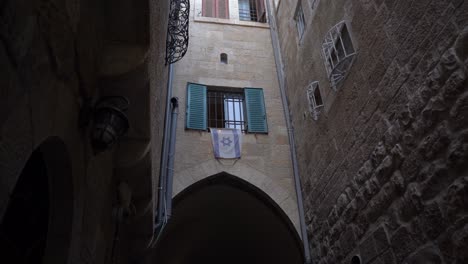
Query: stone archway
(224,219)
(285,198)
(37,224)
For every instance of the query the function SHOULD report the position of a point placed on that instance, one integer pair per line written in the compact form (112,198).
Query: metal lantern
(110,122)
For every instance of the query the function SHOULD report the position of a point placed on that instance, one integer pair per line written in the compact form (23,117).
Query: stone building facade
(265,161)
(384,165)
(58,199)
(377,95)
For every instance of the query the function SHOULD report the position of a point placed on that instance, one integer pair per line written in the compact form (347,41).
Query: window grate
(226,109)
(252,10)
(338,52)
(315,99)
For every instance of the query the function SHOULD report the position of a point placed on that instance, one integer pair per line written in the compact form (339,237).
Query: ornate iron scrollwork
(177,30)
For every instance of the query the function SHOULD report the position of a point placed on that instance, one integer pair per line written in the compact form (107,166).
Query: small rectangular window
(315,99)
(300,21)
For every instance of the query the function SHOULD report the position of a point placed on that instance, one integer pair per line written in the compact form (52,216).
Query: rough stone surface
(396,129)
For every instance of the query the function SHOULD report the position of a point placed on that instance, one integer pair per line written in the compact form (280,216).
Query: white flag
(226,142)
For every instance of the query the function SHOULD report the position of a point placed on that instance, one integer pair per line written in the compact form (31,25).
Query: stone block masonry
(389,180)
(265,161)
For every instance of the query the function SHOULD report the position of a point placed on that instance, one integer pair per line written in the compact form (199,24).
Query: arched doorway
(36,227)
(224,219)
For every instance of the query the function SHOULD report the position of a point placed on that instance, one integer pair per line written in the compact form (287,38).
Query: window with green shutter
(196,107)
(256,114)
(225,107)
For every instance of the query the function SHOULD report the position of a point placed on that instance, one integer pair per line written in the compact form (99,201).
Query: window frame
(299,17)
(230,92)
(254,108)
(258,14)
(215,10)
(314,108)
(337,65)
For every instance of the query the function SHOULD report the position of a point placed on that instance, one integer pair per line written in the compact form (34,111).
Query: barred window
(300,21)
(315,100)
(252,10)
(226,108)
(338,52)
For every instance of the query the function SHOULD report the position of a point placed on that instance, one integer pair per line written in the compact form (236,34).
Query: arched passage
(224,219)
(36,227)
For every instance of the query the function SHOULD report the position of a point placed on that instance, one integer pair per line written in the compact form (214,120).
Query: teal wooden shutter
(196,107)
(256,114)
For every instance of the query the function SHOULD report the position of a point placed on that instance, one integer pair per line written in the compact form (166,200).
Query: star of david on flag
(226,143)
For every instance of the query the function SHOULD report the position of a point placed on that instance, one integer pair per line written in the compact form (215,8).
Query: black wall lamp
(109,122)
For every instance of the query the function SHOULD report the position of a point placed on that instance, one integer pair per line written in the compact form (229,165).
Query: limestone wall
(265,159)
(384,168)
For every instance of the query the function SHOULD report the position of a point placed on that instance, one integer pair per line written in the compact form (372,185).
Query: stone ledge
(233,22)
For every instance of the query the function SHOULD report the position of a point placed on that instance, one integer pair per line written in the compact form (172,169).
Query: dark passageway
(23,231)
(223,219)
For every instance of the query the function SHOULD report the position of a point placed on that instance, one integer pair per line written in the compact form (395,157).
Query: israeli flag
(226,143)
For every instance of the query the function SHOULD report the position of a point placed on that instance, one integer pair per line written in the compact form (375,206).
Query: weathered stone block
(381,239)
(454,85)
(433,144)
(391,221)
(434,222)
(387,257)
(333,216)
(350,212)
(428,254)
(460,240)
(364,172)
(379,204)
(379,153)
(367,249)
(410,205)
(411,166)
(348,240)
(362,224)
(405,116)
(459,113)
(458,150)
(403,244)
(435,178)
(456,198)
(341,203)
(384,170)
(335,231)
(371,188)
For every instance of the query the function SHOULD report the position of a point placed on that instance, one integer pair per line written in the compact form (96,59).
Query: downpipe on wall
(171,157)
(177,40)
(297,179)
(168,137)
